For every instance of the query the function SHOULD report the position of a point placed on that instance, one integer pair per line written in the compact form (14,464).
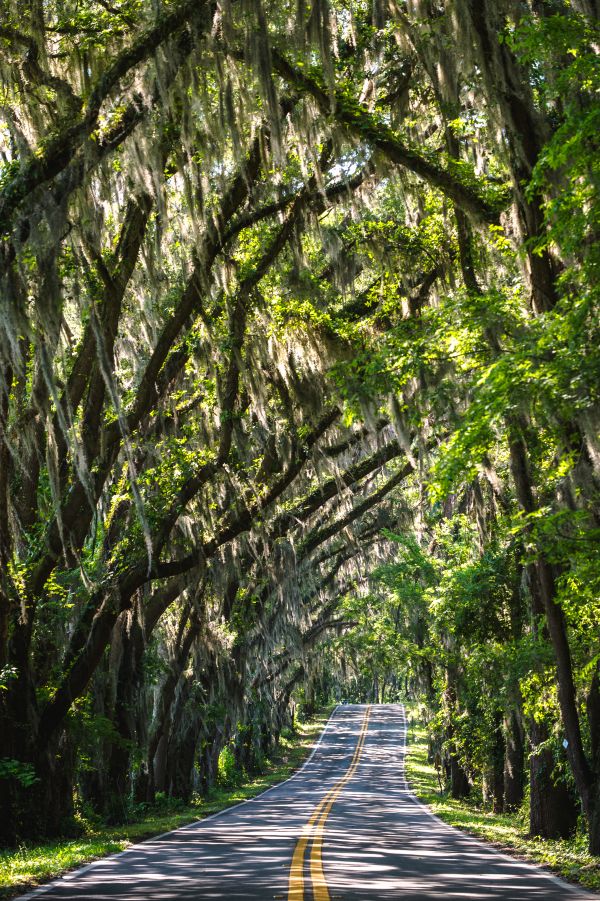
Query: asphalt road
(345,828)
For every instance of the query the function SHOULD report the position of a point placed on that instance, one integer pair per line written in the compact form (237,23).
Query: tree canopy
(299,389)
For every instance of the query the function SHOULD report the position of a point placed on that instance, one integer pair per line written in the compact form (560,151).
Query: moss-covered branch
(481,200)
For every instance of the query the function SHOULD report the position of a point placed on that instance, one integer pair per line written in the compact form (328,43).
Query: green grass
(507,832)
(31,865)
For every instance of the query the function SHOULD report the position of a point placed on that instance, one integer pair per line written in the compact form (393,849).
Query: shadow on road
(379,842)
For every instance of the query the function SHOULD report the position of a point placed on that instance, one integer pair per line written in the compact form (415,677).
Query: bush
(228,775)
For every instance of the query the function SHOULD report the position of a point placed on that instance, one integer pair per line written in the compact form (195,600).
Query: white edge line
(580,891)
(73,874)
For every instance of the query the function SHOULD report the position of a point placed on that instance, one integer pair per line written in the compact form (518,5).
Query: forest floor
(507,832)
(31,865)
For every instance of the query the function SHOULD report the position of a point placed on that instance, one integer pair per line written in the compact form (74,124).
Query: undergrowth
(31,865)
(568,858)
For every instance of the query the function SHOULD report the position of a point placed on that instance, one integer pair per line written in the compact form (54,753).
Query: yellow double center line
(315,829)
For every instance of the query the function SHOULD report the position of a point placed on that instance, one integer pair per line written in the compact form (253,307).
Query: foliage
(299,367)
(508,832)
(34,864)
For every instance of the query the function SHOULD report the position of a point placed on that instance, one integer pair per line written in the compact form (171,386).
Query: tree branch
(49,160)
(366,126)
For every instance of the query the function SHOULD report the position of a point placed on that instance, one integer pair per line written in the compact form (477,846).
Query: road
(345,828)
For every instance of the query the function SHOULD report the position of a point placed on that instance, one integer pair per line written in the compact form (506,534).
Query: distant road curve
(344,828)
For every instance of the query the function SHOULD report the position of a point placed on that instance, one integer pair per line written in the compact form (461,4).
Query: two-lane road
(345,828)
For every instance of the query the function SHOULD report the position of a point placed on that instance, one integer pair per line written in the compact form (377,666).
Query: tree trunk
(543,585)
(593,712)
(118,788)
(185,730)
(43,809)
(459,781)
(514,761)
(211,747)
(553,811)
(159,739)
(182,752)
(497,767)
(525,132)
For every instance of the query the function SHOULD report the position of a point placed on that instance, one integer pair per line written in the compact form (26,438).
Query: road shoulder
(506,833)
(32,866)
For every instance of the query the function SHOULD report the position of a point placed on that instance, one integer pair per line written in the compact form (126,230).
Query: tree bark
(553,811)
(544,588)
(118,789)
(496,774)
(514,761)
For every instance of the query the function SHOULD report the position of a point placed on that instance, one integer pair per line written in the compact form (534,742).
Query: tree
(278,286)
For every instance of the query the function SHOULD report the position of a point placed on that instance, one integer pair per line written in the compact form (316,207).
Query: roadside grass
(24,868)
(507,832)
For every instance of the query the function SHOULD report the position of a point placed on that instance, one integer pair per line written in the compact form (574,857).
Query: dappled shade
(379,842)
(299,368)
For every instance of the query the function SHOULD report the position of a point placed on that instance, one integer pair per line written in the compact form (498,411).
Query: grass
(31,865)
(507,832)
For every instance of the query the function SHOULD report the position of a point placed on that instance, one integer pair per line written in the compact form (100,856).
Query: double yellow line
(315,829)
